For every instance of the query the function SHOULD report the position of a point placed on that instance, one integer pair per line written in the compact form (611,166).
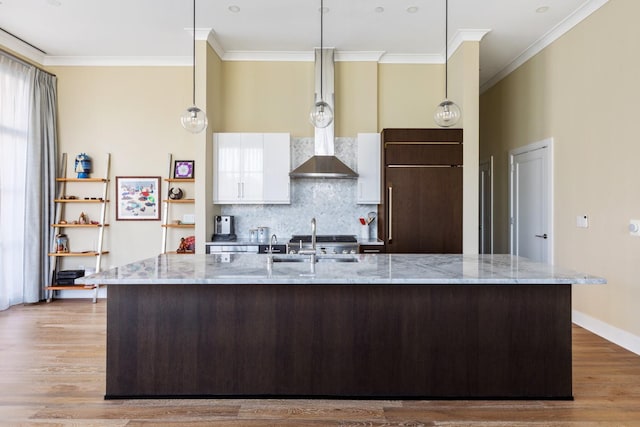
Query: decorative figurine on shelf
(62,243)
(187,244)
(83,219)
(83,165)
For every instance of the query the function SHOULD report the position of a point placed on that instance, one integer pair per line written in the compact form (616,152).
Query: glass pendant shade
(322,115)
(447,114)
(194,119)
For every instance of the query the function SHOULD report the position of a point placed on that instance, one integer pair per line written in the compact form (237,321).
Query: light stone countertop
(369,269)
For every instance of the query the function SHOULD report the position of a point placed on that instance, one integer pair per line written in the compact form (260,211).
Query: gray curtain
(42,153)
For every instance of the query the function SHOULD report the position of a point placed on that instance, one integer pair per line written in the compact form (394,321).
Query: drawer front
(231,249)
(423,154)
(372,249)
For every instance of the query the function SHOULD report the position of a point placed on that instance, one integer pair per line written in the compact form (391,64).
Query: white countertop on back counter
(339,269)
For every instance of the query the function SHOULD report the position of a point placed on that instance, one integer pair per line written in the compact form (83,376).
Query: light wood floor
(52,373)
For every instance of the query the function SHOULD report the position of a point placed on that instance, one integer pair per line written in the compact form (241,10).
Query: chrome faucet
(273,241)
(311,252)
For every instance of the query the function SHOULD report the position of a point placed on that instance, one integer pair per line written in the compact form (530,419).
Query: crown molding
(410,58)
(466,35)
(118,61)
(264,55)
(552,35)
(359,56)
(19,47)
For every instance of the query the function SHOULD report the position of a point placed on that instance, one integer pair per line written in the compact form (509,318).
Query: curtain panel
(28,149)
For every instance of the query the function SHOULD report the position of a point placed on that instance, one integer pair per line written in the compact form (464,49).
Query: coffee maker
(223,228)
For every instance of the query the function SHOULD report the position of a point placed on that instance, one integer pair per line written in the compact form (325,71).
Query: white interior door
(531,201)
(486,207)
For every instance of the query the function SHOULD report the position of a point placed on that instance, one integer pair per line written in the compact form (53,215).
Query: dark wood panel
(423,154)
(441,203)
(339,340)
(421,135)
(426,210)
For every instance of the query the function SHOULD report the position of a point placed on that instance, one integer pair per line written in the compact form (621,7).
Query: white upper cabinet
(369,168)
(251,168)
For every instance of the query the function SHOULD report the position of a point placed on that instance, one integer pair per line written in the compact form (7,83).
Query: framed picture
(183,169)
(137,198)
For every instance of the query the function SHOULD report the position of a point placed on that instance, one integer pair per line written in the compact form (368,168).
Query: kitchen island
(353,326)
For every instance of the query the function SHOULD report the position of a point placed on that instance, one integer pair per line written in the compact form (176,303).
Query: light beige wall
(582,91)
(356,100)
(464,87)
(132,113)
(408,95)
(277,97)
(210,98)
(267,97)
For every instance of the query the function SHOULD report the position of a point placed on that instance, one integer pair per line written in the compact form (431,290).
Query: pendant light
(447,113)
(321,115)
(194,119)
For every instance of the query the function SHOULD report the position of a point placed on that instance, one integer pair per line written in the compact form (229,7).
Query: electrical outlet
(582,221)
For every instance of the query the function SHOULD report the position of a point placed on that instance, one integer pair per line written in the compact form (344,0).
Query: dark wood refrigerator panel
(424,207)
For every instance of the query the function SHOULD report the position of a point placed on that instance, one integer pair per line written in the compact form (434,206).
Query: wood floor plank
(52,373)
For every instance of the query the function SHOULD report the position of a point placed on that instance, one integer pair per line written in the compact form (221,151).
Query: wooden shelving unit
(62,200)
(167,204)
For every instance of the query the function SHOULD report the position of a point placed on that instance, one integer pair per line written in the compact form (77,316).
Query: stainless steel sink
(319,258)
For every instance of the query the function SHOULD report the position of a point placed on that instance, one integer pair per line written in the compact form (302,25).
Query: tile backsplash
(331,201)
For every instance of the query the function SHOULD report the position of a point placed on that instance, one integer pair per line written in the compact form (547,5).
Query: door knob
(543,236)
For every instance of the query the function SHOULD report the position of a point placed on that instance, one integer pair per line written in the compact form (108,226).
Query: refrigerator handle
(390,214)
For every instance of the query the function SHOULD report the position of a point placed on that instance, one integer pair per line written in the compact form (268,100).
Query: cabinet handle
(239,190)
(390,214)
(242,190)
(542,236)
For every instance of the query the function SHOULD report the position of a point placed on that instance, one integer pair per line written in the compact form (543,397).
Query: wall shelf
(168,206)
(63,201)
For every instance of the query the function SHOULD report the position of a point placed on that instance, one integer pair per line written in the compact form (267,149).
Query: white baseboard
(617,336)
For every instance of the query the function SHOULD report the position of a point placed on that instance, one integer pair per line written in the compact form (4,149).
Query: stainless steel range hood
(324,163)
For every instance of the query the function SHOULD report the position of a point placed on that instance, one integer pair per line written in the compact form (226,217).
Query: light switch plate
(582,221)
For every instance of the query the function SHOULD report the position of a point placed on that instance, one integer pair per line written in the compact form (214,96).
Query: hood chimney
(324,163)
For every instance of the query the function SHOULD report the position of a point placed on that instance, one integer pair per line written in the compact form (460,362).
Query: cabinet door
(228,154)
(252,169)
(277,165)
(424,208)
(369,168)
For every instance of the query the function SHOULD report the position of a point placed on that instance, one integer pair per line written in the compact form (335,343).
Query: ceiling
(155,31)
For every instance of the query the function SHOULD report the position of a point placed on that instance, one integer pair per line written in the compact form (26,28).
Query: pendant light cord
(446,50)
(321,48)
(193,78)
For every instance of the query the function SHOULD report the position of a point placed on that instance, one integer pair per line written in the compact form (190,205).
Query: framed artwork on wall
(137,198)
(183,169)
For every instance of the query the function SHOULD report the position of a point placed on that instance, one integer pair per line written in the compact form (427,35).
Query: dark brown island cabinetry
(422,176)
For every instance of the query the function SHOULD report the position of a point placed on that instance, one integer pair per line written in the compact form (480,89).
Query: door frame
(544,144)
(486,194)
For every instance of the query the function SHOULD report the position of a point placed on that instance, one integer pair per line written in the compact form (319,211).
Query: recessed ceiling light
(542,9)
(412,9)
(379,9)
(54,2)
(233,8)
